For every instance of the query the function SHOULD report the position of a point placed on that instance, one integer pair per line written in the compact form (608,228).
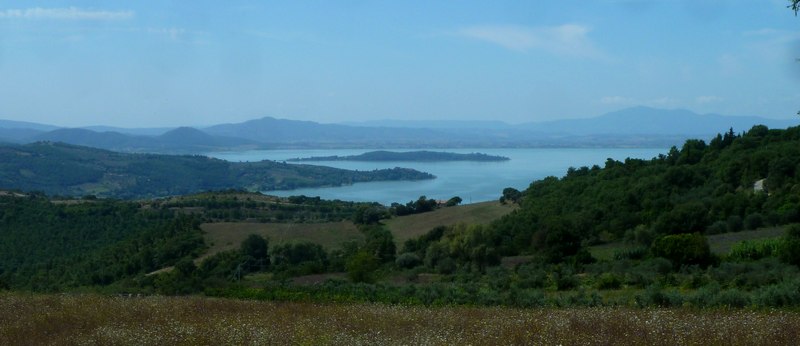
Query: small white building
(758,186)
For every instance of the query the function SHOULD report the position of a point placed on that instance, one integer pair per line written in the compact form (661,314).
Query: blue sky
(166,63)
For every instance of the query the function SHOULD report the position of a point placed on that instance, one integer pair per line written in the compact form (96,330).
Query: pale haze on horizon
(170,63)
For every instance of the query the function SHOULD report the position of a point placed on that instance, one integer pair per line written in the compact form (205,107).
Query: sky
(170,63)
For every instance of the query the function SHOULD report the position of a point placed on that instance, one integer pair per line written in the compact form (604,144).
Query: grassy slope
(410,226)
(86,319)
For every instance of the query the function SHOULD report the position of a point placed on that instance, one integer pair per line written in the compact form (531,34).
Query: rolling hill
(62,169)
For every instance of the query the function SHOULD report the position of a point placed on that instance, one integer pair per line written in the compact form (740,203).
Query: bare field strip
(229,235)
(98,320)
(410,226)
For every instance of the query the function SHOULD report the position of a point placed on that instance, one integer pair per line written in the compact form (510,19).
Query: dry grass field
(98,320)
(229,235)
(410,226)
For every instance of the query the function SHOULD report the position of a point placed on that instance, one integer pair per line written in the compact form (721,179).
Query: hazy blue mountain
(189,137)
(18,135)
(180,140)
(281,131)
(652,121)
(144,131)
(433,124)
(89,138)
(13,124)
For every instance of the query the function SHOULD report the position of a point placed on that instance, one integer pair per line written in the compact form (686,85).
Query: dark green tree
(510,195)
(256,247)
(361,267)
(683,249)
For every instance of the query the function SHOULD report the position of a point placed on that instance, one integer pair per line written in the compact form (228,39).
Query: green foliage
(255,246)
(452,202)
(300,258)
(47,246)
(789,249)
(379,242)
(369,214)
(408,260)
(683,249)
(755,249)
(608,281)
(510,195)
(421,205)
(236,205)
(361,267)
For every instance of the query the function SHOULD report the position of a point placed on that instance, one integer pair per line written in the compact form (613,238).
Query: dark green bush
(683,249)
(408,260)
(608,281)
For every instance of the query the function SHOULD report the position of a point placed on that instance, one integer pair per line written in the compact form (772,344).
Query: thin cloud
(708,99)
(567,39)
(171,33)
(665,101)
(69,13)
(617,100)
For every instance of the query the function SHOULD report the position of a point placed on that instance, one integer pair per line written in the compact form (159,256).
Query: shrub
(789,249)
(753,221)
(408,260)
(735,223)
(717,228)
(608,281)
(635,253)
(360,267)
(655,296)
(785,294)
(683,249)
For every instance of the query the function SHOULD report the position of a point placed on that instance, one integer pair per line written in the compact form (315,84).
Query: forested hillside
(62,169)
(707,188)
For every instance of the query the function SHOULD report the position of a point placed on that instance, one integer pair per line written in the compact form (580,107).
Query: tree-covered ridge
(707,188)
(54,245)
(413,156)
(61,169)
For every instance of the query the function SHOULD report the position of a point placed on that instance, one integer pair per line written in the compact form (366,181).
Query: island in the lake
(416,156)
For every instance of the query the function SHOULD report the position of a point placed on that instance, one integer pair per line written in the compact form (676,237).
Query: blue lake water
(472,181)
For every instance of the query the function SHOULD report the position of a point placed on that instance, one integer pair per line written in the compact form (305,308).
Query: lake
(472,181)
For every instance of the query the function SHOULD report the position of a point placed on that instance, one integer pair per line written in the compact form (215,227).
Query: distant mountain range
(631,127)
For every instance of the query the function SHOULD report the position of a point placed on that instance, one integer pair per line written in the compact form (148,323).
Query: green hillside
(61,169)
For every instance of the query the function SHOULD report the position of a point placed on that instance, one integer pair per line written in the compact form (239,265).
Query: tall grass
(90,319)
